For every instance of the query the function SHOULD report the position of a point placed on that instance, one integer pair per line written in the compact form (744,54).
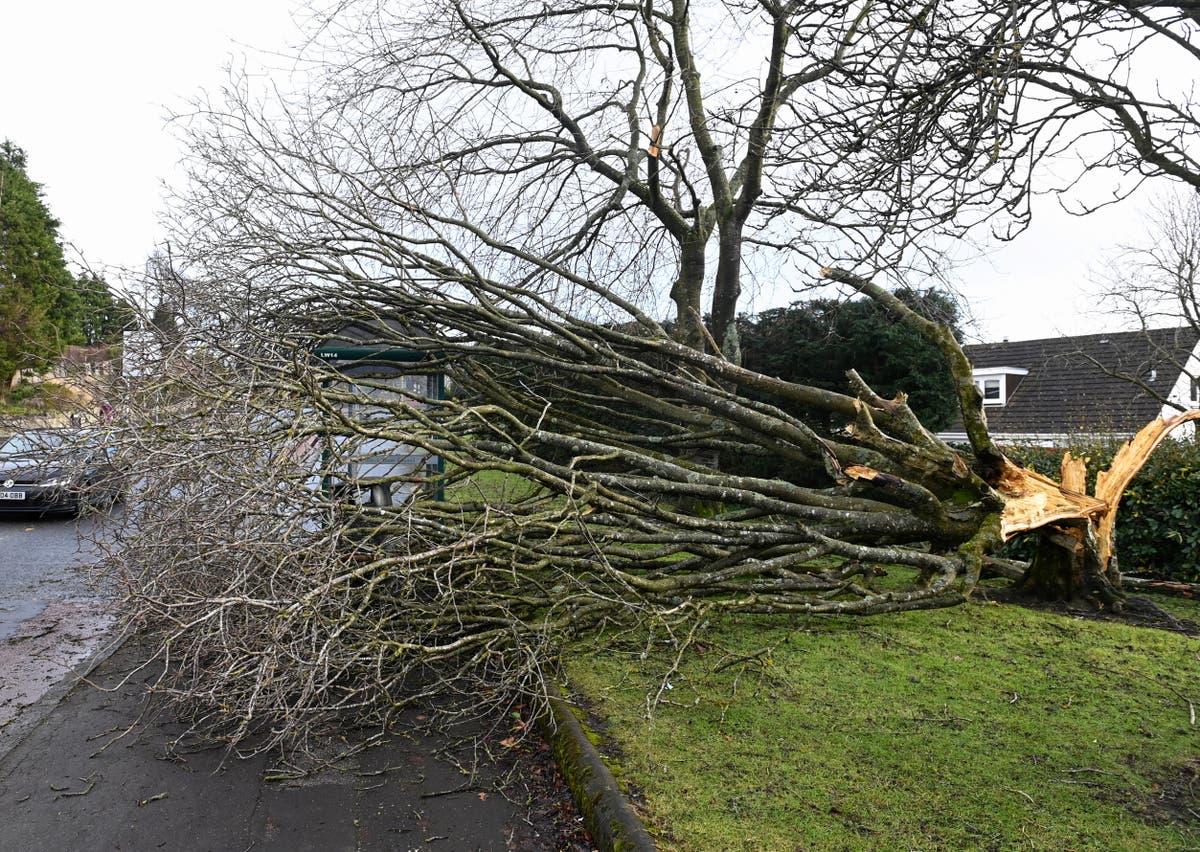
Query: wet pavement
(54,612)
(86,763)
(101,771)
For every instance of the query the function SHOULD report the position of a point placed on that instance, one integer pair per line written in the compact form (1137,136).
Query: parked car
(49,470)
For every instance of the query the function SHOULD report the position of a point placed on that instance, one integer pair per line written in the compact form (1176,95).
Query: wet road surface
(86,768)
(41,560)
(53,610)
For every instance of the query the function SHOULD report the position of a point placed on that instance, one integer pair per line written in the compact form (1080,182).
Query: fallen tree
(289,599)
(474,190)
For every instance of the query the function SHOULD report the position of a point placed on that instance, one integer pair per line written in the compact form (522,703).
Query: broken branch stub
(1129,460)
(1033,501)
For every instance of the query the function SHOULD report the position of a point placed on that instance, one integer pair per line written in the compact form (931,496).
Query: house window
(998,384)
(1195,397)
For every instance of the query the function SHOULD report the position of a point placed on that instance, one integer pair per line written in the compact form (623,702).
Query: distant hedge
(1158,522)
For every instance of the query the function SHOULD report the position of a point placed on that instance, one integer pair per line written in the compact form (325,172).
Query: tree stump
(1067,567)
(1075,558)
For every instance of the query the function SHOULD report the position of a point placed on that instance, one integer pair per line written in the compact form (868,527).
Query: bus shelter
(385,382)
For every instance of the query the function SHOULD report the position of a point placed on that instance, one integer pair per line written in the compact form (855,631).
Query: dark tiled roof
(1075,383)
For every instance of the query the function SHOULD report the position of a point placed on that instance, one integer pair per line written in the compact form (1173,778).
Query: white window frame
(998,377)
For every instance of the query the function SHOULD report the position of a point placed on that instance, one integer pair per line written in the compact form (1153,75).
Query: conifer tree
(36,288)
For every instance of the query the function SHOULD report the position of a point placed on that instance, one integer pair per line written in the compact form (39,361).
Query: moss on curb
(609,818)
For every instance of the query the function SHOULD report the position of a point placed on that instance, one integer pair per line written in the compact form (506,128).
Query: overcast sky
(87,86)
(85,92)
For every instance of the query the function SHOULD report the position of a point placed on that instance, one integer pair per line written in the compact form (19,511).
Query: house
(96,361)
(1059,389)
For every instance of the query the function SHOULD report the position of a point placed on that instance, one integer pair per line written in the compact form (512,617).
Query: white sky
(84,90)
(87,86)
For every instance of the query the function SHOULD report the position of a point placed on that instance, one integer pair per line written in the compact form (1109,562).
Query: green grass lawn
(985,726)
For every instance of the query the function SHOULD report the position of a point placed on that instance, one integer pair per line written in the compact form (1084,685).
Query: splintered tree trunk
(1075,558)
(1067,567)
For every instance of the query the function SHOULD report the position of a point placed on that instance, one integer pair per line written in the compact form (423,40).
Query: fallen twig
(1023,793)
(384,771)
(64,792)
(449,792)
(748,658)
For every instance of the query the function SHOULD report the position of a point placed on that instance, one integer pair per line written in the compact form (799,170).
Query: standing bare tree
(1155,284)
(541,204)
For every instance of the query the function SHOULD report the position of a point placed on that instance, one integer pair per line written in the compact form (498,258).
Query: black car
(57,471)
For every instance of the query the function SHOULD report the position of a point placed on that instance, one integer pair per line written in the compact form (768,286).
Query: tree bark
(685,293)
(1067,567)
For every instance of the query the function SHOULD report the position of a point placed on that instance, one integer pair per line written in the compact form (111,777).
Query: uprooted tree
(544,204)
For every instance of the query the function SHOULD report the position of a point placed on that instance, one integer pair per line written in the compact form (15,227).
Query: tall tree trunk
(686,291)
(727,290)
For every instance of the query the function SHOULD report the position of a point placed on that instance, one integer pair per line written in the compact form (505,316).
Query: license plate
(12,495)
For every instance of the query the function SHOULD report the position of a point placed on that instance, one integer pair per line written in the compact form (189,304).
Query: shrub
(24,392)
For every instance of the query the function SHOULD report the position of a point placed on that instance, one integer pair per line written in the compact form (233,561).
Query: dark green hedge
(1158,522)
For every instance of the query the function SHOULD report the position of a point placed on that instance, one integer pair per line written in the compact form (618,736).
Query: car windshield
(31,443)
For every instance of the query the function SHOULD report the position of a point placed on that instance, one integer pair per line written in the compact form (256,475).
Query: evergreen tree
(101,316)
(816,342)
(37,293)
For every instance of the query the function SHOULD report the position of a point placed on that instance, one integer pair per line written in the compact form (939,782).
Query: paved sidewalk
(91,773)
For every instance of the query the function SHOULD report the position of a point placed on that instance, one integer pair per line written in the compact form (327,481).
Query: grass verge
(986,726)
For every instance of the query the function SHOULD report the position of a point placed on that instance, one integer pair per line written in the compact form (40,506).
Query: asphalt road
(54,611)
(85,768)
(42,561)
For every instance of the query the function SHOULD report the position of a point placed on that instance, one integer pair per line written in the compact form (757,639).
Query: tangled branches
(296,555)
(512,198)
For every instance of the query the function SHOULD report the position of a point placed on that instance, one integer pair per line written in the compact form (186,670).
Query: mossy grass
(985,726)
(491,485)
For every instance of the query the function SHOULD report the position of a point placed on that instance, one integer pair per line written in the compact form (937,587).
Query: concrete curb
(609,818)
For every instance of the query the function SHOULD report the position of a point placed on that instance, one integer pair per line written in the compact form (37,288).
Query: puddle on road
(12,613)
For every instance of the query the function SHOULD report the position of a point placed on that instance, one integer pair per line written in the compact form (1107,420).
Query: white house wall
(1181,394)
